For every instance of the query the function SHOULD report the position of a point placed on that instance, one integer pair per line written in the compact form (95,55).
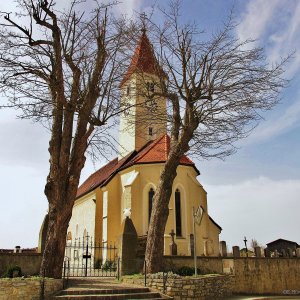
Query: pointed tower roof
(143,59)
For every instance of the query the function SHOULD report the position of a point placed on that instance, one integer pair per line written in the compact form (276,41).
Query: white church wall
(83,217)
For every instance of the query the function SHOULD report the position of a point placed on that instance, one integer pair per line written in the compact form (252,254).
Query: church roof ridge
(143,59)
(153,152)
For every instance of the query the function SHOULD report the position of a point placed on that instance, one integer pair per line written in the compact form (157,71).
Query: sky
(253,193)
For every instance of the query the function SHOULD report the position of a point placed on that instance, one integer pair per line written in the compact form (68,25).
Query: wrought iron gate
(86,258)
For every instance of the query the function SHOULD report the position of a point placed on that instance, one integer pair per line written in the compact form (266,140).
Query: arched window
(150,201)
(178,213)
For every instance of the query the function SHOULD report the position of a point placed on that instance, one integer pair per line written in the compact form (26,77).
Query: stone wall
(186,288)
(205,264)
(28,262)
(252,275)
(265,275)
(28,288)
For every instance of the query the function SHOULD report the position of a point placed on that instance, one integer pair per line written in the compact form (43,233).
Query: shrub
(109,266)
(186,271)
(12,271)
(98,264)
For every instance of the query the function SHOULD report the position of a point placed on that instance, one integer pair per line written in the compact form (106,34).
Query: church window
(150,201)
(178,213)
(150,131)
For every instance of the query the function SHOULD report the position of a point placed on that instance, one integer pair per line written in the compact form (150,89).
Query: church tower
(145,116)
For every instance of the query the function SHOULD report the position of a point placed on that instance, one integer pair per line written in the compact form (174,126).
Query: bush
(186,271)
(98,264)
(12,271)
(109,266)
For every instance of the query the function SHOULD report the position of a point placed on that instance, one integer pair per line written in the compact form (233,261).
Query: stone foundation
(28,288)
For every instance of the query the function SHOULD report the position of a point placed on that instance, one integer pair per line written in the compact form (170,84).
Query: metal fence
(86,258)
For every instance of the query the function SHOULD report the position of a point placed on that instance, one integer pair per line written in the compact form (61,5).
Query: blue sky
(254,193)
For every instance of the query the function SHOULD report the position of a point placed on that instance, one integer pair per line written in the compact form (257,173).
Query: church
(126,185)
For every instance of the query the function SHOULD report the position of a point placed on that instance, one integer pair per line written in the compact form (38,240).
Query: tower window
(150,202)
(150,131)
(128,90)
(178,213)
(150,87)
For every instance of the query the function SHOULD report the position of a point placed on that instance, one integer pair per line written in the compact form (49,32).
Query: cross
(143,17)
(245,241)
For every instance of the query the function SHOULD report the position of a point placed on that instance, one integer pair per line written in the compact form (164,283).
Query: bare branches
(222,84)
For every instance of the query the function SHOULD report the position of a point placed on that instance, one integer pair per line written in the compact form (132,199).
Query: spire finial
(143,18)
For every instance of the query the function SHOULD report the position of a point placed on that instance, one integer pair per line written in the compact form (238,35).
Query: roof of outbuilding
(281,240)
(153,152)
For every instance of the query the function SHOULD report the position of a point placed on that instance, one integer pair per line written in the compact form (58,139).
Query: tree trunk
(159,217)
(160,209)
(53,256)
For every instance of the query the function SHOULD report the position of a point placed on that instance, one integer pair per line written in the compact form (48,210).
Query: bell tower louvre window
(150,131)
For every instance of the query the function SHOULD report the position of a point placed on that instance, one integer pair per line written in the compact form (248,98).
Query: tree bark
(51,265)
(160,209)
(159,216)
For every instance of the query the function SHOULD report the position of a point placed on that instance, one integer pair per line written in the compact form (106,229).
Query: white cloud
(256,18)
(259,208)
(276,126)
(287,40)
(128,7)
(23,144)
(276,26)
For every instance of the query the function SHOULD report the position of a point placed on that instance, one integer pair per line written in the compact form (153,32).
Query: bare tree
(63,68)
(216,90)
(254,243)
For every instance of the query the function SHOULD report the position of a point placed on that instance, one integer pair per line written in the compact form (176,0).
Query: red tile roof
(153,152)
(157,151)
(143,60)
(101,176)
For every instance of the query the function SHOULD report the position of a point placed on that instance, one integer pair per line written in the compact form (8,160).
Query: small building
(244,252)
(282,244)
